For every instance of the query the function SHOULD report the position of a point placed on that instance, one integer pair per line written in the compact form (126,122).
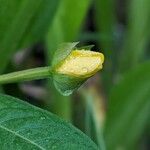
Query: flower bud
(81,63)
(75,67)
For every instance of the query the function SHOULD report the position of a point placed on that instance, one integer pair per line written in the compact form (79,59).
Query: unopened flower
(81,63)
(74,66)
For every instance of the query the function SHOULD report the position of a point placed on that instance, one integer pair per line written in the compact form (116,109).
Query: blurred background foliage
(113,107)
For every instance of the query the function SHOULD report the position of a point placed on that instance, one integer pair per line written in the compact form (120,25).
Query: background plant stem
(105,23)
(136,39)
(94,113)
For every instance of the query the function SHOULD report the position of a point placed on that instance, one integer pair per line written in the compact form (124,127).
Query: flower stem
(26,75)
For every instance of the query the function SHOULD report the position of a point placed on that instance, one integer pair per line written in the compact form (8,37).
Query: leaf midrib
(20,136)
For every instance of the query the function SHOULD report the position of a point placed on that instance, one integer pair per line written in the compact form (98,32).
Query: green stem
(99,133)
(26,75)
(92,115)
(105,24)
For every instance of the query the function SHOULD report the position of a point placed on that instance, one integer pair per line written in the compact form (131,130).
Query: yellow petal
(81,63)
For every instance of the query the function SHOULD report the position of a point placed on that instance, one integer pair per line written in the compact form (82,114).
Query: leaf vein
(24,138)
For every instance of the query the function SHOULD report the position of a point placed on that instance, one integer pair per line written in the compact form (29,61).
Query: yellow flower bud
(81,63)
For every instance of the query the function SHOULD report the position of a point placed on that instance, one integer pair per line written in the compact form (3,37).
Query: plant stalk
(26,75)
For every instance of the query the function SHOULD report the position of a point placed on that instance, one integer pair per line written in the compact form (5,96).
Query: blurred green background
(113,107)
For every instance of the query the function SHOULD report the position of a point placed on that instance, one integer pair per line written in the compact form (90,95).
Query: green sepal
(62,52)
(88,47)
(66,85)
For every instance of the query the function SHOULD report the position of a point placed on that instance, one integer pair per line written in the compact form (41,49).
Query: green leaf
(62,52)
(128,109)
(23,126)
(40,22)
(22,20)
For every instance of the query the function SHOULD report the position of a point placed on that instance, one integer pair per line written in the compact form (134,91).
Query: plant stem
(105,24)
(26,75)
(94,114)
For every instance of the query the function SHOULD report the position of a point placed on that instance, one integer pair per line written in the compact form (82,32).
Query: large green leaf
(128,109)
(22,23)
(23,126)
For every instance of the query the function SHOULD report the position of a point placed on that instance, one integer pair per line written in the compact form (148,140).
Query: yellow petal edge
(81,63)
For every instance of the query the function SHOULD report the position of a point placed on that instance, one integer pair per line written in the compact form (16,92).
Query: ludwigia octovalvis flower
(73,66)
